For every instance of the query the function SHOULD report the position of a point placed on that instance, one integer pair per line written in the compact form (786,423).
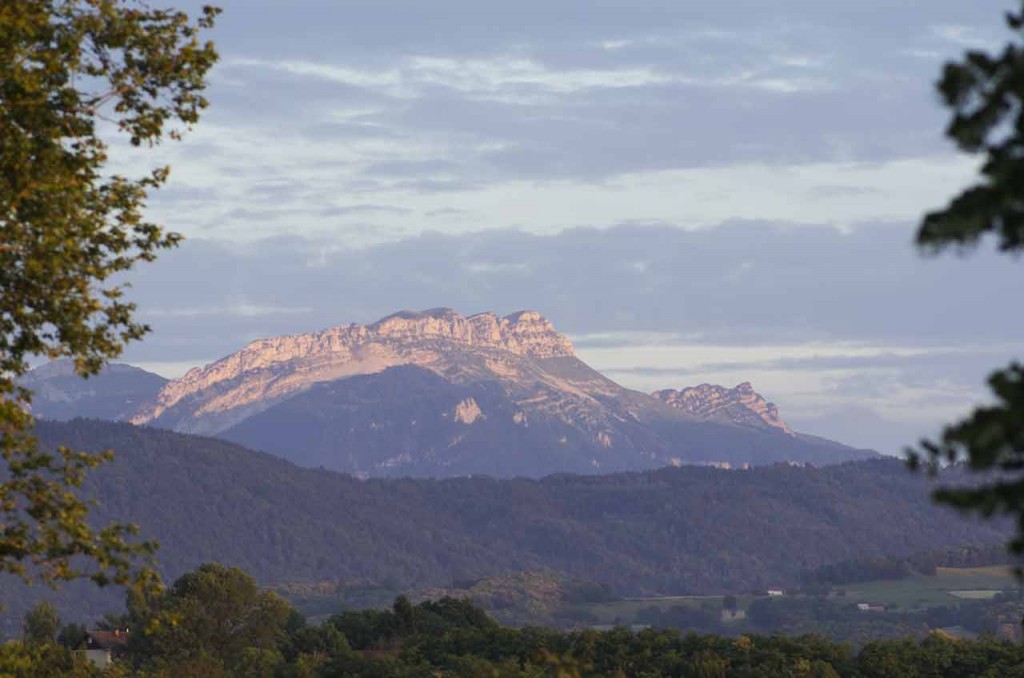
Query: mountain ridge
(434,393)
(740,405)
(114,394)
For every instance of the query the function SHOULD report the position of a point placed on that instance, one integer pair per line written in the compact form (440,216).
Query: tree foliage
(985,93)
(209,623)
(41,624)
(215,614)
(73,75)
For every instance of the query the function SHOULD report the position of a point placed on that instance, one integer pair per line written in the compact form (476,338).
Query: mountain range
(438,394)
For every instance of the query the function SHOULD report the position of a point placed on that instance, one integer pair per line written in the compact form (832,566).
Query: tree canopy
(41,624)
(985,93)
(214,614)
(75,74)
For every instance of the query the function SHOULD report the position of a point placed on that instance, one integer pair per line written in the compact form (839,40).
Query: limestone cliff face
(740,405)
(526,333)
(214,397)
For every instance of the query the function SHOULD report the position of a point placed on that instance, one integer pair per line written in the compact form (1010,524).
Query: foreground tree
(986,95)
(215,616)
(72,72)
(40,624)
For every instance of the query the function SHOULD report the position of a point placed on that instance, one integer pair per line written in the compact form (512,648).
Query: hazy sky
(695,191)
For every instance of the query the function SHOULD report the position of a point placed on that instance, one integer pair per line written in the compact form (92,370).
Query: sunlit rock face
(740,405)
(467,411)
(212,398)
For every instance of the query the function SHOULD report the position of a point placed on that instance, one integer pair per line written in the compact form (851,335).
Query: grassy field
(625,610)
(948,586)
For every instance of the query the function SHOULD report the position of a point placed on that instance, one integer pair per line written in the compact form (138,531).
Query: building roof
(106,640)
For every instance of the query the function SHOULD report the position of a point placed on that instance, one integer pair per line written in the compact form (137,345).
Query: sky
(710,191)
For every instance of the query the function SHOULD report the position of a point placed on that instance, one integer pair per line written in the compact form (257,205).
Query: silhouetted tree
(986,95)
(405,619)
(69,229)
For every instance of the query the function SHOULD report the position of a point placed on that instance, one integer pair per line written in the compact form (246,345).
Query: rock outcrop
(467,411)
(740,405)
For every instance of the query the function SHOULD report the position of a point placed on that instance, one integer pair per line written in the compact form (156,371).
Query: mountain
(435,393)
(481,347)
(740,405)
(673,530)
(115,393)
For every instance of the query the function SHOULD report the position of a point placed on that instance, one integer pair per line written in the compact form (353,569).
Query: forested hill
(676,530)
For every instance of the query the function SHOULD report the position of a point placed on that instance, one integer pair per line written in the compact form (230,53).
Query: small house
(102,646)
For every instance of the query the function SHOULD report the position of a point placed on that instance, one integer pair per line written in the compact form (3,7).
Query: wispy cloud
(480,76)
(964,36)
(229,310)
(693,118)
(517,79)
(339,210)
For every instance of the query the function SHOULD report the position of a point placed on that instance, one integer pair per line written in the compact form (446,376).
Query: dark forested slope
(676,530)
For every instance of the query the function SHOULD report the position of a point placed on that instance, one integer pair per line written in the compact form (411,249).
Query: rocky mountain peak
(526,333)
(269,369)
(740,405)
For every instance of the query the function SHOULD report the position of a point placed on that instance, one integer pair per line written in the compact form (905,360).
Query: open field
(626,609)
(946,587)
(974,595)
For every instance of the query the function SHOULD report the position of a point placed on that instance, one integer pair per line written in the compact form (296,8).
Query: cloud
(339,210)
(690,115)
(229,310)
(304,196)
(864,293)
(819,358)
(388,80)
(414,76)
(962,36)
(446,212)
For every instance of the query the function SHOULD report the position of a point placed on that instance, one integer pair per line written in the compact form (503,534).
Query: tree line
(900,567)
(215,621)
